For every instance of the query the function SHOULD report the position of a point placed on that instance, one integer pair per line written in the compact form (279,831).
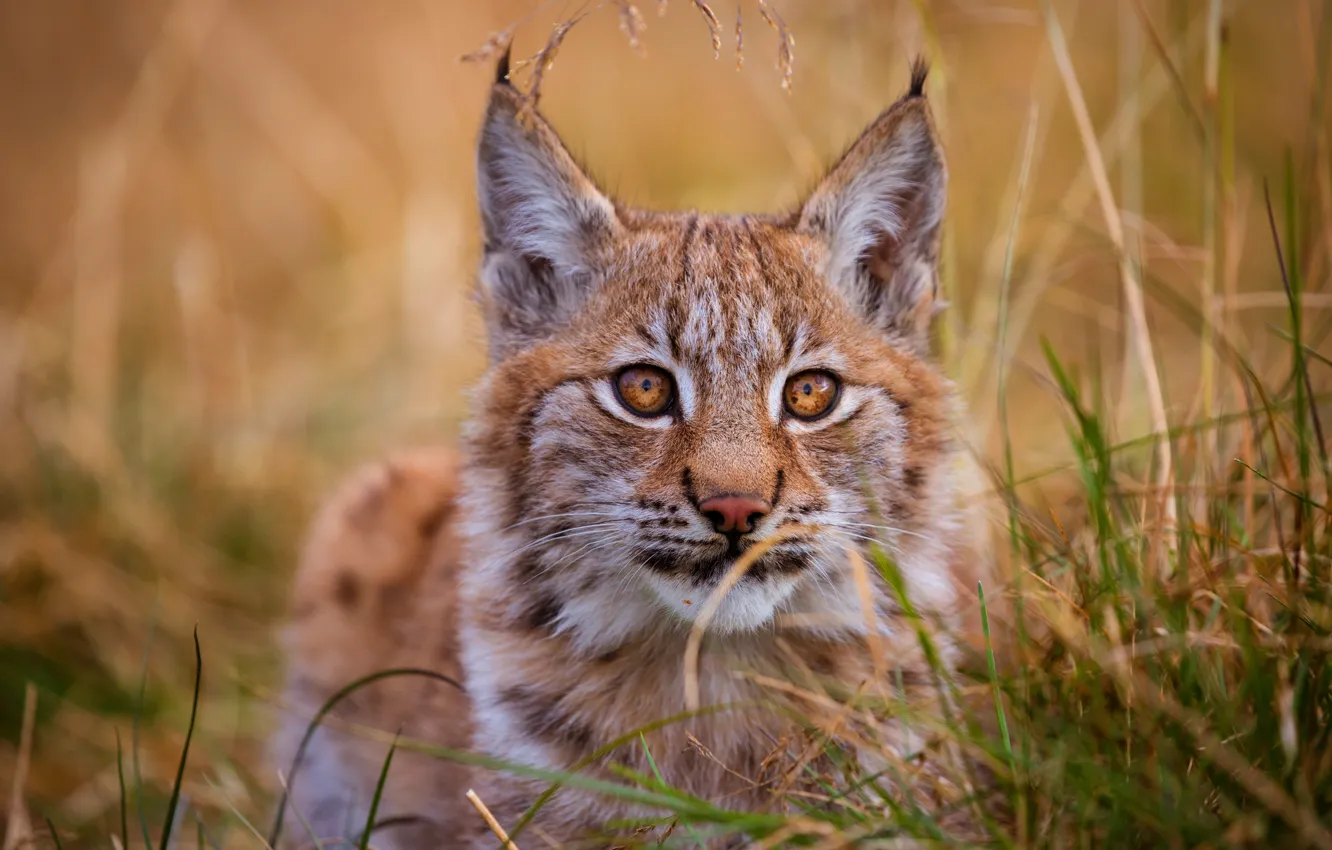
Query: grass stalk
(1005,290)
(18,830)
(275,834)
(1132,288)
(123,797)
(174,802)
(994,682)
(1131,183)
(1210,227)
(370,818)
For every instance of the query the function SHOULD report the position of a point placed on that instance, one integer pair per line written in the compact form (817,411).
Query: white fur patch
(746,607)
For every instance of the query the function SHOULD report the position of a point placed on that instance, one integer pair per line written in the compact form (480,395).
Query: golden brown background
(237,238)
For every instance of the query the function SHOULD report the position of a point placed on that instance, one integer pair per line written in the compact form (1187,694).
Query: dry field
(236,246)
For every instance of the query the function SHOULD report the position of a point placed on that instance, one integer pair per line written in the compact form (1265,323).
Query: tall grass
(259,271)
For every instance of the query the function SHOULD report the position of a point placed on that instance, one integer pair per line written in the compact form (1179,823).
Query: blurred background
(237,241)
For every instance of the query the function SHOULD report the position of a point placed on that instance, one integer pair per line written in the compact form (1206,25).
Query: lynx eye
(645,390)
(811,394)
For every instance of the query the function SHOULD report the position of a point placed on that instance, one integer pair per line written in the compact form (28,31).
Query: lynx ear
(545,223)
(879,210)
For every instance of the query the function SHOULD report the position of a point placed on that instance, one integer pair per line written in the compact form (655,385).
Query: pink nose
(734,514)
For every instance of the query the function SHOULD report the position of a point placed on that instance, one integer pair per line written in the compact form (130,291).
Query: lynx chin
(664,392)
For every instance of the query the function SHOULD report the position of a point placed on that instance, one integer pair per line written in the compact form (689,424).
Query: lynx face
(667,390)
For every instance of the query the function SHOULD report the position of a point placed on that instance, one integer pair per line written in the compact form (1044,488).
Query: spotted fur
(561,581)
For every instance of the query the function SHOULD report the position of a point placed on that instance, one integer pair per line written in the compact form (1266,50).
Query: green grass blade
(1292,281)
(134,734)
(1302,498)
(701,811)
(605,750)
(379,795)
(994,681)
(1309,350)
(124,800)
(693,833)
(329,704)
(1005,292)
(185,750)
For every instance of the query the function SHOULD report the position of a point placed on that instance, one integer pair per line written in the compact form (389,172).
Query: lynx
(665,392)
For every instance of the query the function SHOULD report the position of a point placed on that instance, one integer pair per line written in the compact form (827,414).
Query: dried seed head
(500,40)
(739,39)
(785,42)
(545,59)
(714,25)
(632,25)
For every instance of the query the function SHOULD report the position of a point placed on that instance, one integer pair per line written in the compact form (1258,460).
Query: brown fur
(560,581)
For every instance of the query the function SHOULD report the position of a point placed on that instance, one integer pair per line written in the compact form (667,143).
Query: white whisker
(888,528)
(591,547)
(606,514)
(563,534)
(855,535)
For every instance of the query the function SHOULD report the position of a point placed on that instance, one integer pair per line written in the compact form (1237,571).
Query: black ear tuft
(502,68)
(920,69)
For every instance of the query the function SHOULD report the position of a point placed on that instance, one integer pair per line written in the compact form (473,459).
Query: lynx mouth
(708,568)
(684,583)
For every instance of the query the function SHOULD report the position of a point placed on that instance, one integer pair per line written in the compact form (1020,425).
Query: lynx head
(666,390)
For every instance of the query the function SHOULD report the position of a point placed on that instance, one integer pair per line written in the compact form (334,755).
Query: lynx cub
(664,392)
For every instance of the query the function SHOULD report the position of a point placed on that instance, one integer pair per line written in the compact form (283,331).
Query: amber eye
(645,390)
(811,394)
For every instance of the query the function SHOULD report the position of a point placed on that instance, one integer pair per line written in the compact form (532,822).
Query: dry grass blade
(19,833)
(97,226)
(484,811)
(714,601)
(501,39)
(632,25)
(786,42)
(300,818)
(1041,266)
(860,571)
(1133,299)
(1163,54)
(714,25)
(545,58)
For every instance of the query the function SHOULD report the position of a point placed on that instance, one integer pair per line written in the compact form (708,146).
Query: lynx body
(665,391)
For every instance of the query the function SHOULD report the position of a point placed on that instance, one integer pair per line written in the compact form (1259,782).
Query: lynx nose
(734,514)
